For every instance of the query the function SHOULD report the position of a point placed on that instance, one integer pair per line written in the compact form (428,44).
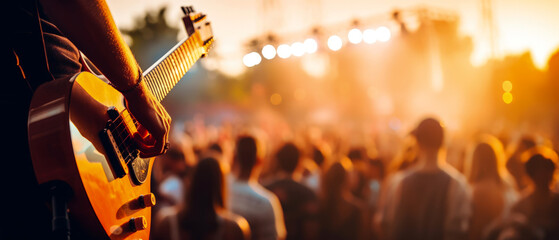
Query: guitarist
(36,53)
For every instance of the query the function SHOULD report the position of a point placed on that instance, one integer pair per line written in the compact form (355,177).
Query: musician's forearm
(90,26)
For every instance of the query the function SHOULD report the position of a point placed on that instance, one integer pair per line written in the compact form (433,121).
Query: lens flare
(284,51)
(252,59)
(355,36)
(298,49)
(507,97)
(310,45)
(507,86)
(269,52)
(383,34)
(334,43)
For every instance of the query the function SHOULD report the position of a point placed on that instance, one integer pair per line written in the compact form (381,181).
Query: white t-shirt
(260,207)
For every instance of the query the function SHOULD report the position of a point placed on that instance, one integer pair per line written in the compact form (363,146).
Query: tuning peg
(187,9)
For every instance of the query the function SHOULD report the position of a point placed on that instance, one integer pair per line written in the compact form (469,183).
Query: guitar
(110,184)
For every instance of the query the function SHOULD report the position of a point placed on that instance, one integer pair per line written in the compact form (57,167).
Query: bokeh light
(252,59)
(284,51)
(383,34)
(369,36)
(275,99)
(507,97)
(507,86)
(297,49)
(334,43)
(310,45)
(269,52)
(355,36)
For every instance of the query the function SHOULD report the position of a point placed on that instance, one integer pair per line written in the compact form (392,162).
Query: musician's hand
(155,122)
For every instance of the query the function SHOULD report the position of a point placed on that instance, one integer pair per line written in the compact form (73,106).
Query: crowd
(242,183)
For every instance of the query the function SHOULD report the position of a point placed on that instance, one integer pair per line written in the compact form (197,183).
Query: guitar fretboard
(162,76)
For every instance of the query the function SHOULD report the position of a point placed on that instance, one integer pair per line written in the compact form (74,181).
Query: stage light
(355,36)
(369,36)
(252,59)
(268,52)
(310,45)
(507,86)
(297,49)
(383,34)
(507,97)
(334,43)
(284,51)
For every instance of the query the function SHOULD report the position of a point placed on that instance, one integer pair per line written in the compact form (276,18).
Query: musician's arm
(90,26)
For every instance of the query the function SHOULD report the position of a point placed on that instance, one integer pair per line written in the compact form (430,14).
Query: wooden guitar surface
(64,153)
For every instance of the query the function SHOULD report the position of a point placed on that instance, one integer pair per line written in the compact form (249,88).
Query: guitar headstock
(197,22)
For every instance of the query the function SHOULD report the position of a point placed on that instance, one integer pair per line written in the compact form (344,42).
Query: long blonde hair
(487,161)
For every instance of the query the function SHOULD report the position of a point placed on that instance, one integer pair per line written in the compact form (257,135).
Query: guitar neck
(162,76)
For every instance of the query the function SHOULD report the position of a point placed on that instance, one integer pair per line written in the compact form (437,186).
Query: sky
(520,25)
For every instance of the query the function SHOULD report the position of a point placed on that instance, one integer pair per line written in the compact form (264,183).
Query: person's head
(541,170)
(356,154)
(216,148)
(318,156)
(246,156)
(288,158)
(174,161)
(378,170)
(205,198)
(207,188)
(335,180)
(487,161)
(524,143)
(429,134)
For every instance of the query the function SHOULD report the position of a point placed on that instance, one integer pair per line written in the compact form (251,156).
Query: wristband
(136,85)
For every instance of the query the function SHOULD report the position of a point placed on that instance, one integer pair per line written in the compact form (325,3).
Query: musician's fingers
(148,146)
(142,131)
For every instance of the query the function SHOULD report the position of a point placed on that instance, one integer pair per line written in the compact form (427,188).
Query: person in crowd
(359,173)
(515,165)
(492,188)
(341,215)
(204,216)
(540,205)
(169,182)
(248,198)
(431,200)
(171,170)
(299,203)
(312,179)
(376,177)
(406,157)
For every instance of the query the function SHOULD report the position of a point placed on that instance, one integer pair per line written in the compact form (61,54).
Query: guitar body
(65,119)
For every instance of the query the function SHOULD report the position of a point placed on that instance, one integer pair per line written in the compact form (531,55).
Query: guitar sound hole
(139,171)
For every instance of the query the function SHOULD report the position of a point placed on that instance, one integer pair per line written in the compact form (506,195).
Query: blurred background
(346,82)
(372,67)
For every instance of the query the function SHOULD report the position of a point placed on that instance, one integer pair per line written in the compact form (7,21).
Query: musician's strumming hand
(154,120)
